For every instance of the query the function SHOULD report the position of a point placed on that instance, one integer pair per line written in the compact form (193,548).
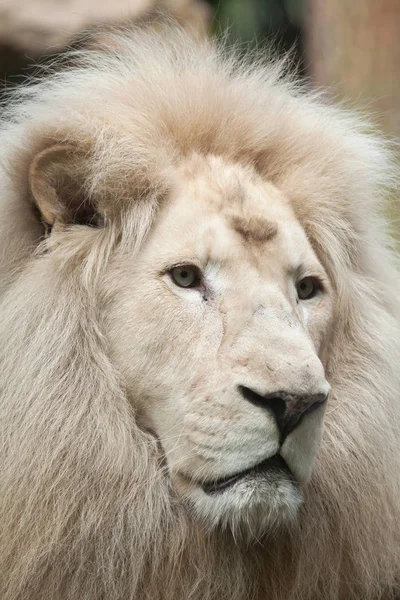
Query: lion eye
(307,288)
(185,276)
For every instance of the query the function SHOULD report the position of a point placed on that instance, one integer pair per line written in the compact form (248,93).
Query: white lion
(191,261)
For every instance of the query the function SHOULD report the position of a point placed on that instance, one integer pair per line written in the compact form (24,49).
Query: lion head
(199,335)
(229,281)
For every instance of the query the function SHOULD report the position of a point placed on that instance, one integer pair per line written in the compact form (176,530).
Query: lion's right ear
(57,184)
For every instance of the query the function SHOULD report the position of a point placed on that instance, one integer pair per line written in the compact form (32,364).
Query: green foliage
(249,19)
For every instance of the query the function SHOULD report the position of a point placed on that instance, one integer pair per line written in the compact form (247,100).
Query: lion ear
(57,184)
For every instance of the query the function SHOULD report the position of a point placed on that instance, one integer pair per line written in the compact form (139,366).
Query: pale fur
(85,510)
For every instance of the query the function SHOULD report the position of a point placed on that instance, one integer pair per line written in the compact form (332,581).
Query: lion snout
(287,408)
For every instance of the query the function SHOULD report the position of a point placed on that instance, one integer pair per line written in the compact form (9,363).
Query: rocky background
(35,30)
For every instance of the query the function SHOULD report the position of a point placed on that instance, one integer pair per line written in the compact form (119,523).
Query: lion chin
(250,503)
(200,341)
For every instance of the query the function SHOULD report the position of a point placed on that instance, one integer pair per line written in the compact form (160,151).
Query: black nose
(287,408)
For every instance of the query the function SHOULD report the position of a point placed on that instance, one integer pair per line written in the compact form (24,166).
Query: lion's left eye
(186,276)
(307,288)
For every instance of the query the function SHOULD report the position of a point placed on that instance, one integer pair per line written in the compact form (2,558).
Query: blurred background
(352,46)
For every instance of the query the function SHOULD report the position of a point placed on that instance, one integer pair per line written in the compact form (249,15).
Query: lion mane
(86,510)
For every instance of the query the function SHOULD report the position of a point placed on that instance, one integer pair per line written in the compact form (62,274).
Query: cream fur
(86,509)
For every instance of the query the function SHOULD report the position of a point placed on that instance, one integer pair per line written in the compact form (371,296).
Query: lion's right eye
(186,276)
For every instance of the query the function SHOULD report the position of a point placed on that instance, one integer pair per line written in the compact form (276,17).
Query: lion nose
(287,408)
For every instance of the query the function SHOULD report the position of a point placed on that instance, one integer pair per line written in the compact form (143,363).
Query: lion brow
(254,228)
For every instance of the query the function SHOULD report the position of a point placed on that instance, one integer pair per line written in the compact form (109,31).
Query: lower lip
(275,463)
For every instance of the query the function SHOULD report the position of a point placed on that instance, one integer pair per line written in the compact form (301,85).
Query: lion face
(218,331)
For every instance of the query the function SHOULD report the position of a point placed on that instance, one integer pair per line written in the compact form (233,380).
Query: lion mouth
(274,463)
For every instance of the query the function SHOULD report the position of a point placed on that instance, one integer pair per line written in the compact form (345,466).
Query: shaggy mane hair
(85,509)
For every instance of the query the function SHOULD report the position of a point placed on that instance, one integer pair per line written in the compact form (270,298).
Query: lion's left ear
(57,183)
